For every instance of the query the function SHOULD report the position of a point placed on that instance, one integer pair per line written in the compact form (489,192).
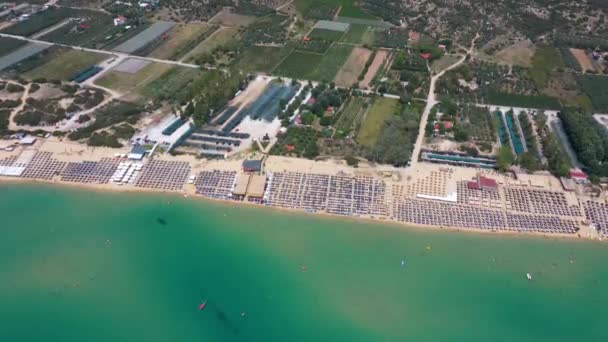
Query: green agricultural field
(310,66)
(596,87)
(65,65)
(352,114)
(41,21)
(171,85)
(545,60)
(100,26)
(359,34)
(323,9)
(8,45)
(34,61)
(382,109)
(261,58)
(323,34)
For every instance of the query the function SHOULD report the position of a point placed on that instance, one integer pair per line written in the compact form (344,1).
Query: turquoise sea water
(79,265)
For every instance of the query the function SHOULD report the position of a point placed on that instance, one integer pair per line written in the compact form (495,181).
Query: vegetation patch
(381,110)
(172,85)
(589,140)
(113,113)
(298,142)
(596,87)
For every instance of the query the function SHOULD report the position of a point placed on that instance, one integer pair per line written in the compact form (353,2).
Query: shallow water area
(83,265)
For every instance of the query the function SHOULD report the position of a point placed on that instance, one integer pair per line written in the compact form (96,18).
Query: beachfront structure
(252,165)
(137,152)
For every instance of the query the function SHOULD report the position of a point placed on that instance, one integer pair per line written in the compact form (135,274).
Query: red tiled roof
(487,182)
(578,174)
(425,55)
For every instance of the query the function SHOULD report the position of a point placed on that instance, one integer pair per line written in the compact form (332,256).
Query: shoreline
(106,188)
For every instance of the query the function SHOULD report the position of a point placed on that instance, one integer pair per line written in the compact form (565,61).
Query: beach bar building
(137,152)
(252,166)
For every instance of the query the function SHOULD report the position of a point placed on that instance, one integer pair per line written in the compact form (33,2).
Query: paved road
(106,52)
(431,101)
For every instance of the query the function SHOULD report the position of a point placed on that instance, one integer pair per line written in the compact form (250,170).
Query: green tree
(505,158)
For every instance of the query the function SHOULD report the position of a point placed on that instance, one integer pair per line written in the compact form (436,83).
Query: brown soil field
(350,71)
(583,59)
(179,37)
(520,53)
(373,69)
(231,19)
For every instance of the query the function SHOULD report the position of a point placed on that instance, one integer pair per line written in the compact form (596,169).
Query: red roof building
(483,183)
(307,39)
(414,36)
(425,55)
(578,175)
(312,101)
(448,124)
(290,148)
(84,26)
(330,109)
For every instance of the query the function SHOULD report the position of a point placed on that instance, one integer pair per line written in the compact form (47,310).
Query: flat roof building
(250,165)
(137,152)
(242,182)
(257,185)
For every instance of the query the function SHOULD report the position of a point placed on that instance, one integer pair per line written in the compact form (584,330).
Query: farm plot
(221,37)
(583,60)
(88,29)
(41,21)
(231,19)
(21,54)
(8,45)
(350,71)
(65,65)
(375,66)
(479,123)
(382,109)
(324,34)
(144,39)
(182,39)
(262,58)
(359,34)
(352,115)
(596,87)
(303,65)
(133,83)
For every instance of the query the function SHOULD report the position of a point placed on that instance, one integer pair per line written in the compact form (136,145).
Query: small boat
(402,263)
(202,306)
(529,276)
